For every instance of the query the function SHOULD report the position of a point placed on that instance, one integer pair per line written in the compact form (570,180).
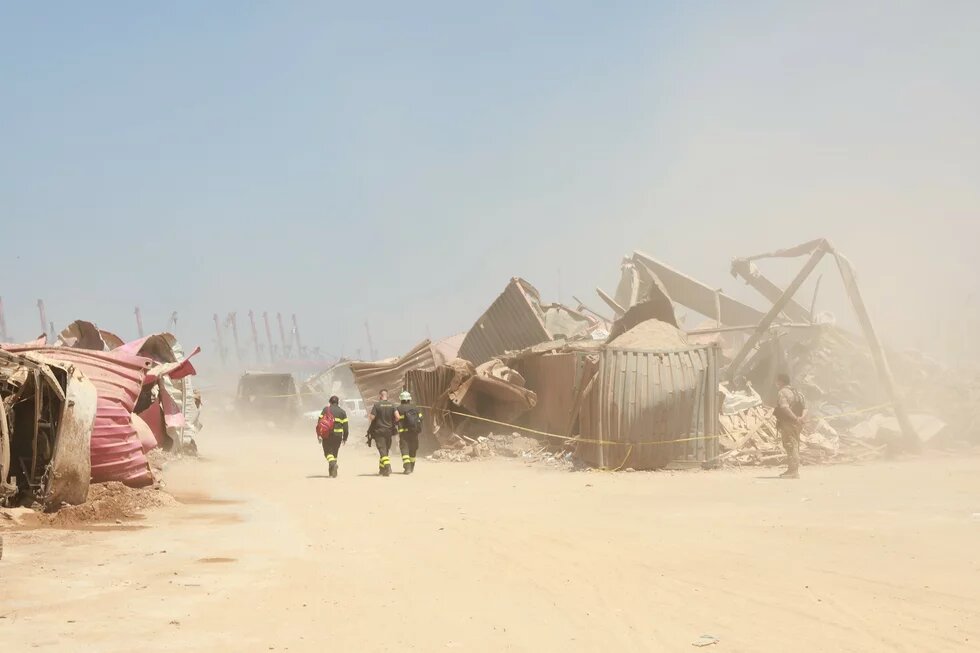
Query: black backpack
(412,420)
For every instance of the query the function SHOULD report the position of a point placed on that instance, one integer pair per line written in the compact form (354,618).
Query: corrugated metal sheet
(430,388)
(512,322)
(117,454)
(372,378)
(643,401)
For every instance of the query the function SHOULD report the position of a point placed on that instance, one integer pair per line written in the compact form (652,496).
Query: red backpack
(324,425)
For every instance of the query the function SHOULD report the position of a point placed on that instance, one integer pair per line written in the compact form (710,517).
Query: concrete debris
(512,445)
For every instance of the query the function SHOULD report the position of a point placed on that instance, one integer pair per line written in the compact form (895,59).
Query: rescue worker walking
(790,411)
(408,417)
(337,436)
(381,429)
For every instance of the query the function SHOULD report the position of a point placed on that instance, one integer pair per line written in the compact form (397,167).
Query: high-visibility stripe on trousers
(331,458)
(384,461)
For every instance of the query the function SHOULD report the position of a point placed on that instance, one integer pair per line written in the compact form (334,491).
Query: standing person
(336,435)
(380,429)
(790,410)
(408,417)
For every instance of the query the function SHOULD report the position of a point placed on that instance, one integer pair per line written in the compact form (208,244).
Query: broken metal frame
(698,296)
(817,249)
(747,270)
(36,385)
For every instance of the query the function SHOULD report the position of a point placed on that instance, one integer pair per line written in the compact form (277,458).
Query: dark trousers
(408,444)
(383,443)
(791,443)
(331,446)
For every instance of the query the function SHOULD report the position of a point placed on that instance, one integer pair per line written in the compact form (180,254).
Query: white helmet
(405,396)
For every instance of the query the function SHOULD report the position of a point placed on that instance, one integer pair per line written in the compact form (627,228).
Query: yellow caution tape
(581,440)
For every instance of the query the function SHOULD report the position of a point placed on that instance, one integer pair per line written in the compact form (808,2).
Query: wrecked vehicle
(269,397)
(47,412)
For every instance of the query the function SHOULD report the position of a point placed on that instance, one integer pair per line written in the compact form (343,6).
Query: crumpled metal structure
(116,451)
(516,320)
(51,407)
(172,390)
(373,377)
(459,398)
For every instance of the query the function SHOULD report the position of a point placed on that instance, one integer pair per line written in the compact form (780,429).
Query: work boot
(333,469)
(386,470)
(790,473)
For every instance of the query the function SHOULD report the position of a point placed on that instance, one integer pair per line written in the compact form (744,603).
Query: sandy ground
(267,554)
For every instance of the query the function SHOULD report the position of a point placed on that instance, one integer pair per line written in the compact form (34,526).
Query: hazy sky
(399,162)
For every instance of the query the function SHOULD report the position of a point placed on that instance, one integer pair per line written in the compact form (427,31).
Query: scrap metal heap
(638,391)
(88,408)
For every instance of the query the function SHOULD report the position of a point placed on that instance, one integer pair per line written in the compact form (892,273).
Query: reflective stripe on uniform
(331,458)
(341,421)
(338,430)
(406,458)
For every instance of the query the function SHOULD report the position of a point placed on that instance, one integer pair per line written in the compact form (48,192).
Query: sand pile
(652,335)
(109,502)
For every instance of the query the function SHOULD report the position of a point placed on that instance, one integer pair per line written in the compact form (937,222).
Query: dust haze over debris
(217,159)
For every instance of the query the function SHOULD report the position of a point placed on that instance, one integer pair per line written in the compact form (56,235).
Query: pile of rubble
(513,445)
(750,437)
(641,389)
(106,503)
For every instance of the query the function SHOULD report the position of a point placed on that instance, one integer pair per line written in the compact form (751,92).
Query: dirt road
(267,554)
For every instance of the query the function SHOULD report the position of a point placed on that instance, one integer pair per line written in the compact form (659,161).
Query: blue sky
(399,162)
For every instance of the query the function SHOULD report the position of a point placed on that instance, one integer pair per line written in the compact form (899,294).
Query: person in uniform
(331,441)
(408,418)
(790,411)
(381,429)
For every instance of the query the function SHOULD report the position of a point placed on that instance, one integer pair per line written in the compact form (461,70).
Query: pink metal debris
(117,453)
